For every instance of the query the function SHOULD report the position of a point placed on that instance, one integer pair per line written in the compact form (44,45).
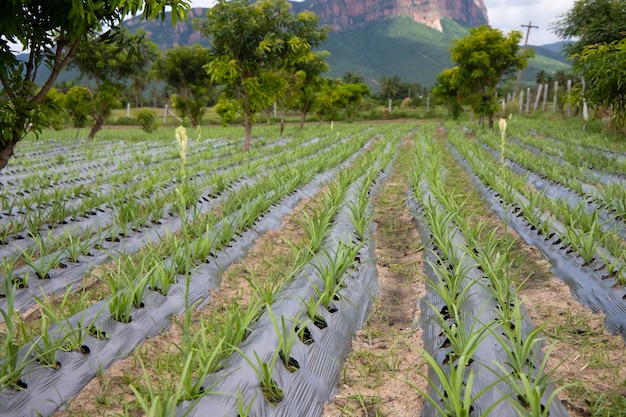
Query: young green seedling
(286,339)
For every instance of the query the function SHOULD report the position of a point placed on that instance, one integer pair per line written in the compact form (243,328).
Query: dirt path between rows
(386,353)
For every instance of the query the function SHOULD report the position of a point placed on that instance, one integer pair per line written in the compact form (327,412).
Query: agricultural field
(386,269)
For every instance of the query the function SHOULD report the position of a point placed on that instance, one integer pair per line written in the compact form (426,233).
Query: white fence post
(536,105)
(556,90)
(569,107)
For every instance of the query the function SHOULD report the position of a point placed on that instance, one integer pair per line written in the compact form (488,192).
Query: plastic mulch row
(479,309)
(590,284)
(48,389)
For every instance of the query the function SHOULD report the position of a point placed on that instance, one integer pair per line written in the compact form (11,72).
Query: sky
(508,15)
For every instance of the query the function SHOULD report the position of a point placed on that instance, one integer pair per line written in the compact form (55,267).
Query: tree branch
(7,87)
(59,64)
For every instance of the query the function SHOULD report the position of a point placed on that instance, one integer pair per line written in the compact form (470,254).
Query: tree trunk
(96,128)
(6,151)
(282,123)
(248,137)
(247,121)
(302,119)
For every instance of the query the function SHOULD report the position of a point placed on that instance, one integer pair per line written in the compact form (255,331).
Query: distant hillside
(556,47)
(412,51)
(390,46)
(347,14)
(395,45)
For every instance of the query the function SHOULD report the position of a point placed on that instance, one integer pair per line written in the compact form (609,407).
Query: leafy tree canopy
(603,66)
(251,44)
(182,68)
(337,95)
(484,57)
(447,88)
(592,22)
(50,32)
(107,63)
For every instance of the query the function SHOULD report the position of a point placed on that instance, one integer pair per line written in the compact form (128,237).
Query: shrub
(123,121)
(147,120)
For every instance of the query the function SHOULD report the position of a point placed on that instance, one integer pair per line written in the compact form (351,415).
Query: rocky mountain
(375,38)
(163,34)
(346,14)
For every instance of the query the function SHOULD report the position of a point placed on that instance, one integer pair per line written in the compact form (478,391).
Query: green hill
(412,51)
(392,46)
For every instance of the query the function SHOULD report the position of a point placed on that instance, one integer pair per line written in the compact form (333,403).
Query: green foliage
(77,103)
(182,69)
(336,96)
(484,58)
(592,22)
(605,64)
(252,44)
(448,89)
(307,82)
(51,30)
(106,63)
(147,120)
(227,109)
(55,100)
(390,86)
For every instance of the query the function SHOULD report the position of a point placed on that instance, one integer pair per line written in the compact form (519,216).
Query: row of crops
(158,231)
(155,224)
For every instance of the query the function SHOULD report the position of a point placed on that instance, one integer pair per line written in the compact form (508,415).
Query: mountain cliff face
(165,36)
(344,14)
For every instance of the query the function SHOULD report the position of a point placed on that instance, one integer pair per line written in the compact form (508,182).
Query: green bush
(124,121)
(147,120)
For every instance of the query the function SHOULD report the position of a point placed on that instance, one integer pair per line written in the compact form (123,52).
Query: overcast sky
(508,15)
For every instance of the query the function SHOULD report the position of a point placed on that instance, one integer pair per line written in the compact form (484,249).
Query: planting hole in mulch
(319,322)
(304,335)
(291,364)
(273,393)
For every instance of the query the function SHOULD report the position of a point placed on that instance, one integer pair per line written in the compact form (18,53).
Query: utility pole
(519,73)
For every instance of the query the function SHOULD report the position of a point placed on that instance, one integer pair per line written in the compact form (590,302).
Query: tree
(308,83)
(448,89)
(337,95)
(50,30)
(542,77)
(352,78)
(182,69)
(251,44)
(591,22)
(484,58)
(56,100)
(77,102)
(604,68)
(389,87)
(108,63)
